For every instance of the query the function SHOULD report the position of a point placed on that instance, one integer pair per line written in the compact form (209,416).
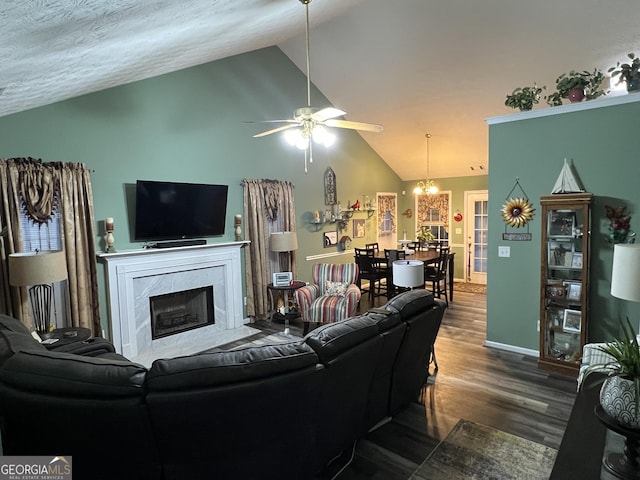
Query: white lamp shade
(408,273)
(284,241)
(625,274)
(37,268)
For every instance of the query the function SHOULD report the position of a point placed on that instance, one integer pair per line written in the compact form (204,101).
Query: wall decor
(517,212)
(359,228)
(330,239)
(330,192)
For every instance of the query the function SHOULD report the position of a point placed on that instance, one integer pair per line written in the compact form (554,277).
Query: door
(477,215)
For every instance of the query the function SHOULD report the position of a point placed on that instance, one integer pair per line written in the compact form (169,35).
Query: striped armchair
(332,296)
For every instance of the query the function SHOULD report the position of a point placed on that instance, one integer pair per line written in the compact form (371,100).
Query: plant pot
(618,400)
(633,86)
(575,95)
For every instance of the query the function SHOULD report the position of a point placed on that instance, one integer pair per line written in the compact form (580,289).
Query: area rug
(469,287)
(474,451)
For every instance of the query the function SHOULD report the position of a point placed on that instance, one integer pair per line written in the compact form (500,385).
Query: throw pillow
(334,289)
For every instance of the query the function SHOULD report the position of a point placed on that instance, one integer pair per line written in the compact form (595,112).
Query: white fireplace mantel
(135,275)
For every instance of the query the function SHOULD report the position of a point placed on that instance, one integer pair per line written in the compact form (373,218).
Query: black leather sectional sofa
(271,412)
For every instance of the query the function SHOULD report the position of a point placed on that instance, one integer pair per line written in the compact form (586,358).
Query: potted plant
(524,98)
(425,235)
(628,73)
(576,86)
(620,392)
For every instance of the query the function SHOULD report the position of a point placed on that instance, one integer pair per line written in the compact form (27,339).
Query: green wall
(188,126)
(603,144)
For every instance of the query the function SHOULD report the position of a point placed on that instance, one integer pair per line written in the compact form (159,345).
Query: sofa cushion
(333,339)
(65,374)
(410,303)
(13,324)
(12,341)
(219,368)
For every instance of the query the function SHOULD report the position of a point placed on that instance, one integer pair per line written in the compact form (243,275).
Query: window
(46,236)
(433,213)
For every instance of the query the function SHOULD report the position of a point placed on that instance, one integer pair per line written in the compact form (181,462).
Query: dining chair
(372,246)
(391,256)
(371,270)
(436,274)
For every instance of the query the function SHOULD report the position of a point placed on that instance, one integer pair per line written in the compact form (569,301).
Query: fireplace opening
(177,312)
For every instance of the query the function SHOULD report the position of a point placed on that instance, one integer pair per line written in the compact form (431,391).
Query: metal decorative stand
(621,465)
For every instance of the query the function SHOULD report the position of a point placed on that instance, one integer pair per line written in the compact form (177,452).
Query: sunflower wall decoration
(517,212)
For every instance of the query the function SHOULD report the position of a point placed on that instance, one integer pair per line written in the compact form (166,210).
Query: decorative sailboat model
(567,181)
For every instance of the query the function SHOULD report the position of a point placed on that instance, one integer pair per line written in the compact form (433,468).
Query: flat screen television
(172,210)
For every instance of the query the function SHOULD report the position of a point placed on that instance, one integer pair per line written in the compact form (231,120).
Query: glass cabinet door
(564,280)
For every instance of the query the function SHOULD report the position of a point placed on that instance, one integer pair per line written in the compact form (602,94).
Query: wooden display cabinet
(564,280)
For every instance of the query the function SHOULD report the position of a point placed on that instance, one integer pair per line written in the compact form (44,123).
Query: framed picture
(562,223)
(560,254)
(330,239)
(358,228)
(572,320)
(574,289)
(576,260)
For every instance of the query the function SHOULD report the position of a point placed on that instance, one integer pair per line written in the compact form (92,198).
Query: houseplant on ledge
(576,86)
(628,73)
(620,392)
(524,98)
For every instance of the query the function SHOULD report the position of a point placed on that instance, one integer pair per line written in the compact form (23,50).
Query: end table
(285,290)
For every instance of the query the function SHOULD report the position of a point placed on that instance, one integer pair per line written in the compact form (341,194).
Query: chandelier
(426,187)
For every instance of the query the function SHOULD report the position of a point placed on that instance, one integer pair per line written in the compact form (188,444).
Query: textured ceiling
(415,66)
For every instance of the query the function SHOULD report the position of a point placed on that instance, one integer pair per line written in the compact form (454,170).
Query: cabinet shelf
(565,239)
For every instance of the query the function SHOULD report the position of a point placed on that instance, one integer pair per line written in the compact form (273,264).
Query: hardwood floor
(503,390)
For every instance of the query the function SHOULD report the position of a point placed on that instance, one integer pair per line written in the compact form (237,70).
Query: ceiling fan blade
(327,113)
(288,120)
(274,130)
(367,127)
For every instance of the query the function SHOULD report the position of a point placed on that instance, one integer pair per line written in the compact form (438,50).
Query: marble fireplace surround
(135,275)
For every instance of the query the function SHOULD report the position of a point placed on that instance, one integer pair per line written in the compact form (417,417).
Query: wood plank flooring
(500,389)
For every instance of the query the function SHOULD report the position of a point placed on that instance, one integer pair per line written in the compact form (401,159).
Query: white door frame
(470,197)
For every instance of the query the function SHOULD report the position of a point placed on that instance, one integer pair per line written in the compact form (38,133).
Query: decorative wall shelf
(341,222)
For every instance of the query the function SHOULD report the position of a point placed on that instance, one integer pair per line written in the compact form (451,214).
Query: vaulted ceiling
(415,66)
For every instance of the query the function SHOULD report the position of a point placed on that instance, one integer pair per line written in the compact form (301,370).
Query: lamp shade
(37,268)
(284,241)
(408,273)
(625,274)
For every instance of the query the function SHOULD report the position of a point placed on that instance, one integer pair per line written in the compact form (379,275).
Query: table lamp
(283,242)
(408,273)
(38,270)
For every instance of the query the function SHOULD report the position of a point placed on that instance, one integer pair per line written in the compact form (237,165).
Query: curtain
(36,185)
(440,201)
(268,207)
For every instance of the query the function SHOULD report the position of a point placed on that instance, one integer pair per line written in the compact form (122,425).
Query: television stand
(179,243)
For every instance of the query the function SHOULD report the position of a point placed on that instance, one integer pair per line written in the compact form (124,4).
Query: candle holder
(110,238)
(238,227)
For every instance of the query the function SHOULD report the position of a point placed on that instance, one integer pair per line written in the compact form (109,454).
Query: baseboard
(512,348)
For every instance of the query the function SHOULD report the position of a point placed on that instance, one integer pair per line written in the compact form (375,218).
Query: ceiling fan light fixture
(296,137)
(323,136)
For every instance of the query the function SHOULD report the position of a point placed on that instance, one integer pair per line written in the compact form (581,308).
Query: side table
(65,336)
(285,290)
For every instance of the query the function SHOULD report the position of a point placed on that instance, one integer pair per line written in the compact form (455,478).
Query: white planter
(618,400)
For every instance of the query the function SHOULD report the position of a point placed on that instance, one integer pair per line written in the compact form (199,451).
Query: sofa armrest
(305,297)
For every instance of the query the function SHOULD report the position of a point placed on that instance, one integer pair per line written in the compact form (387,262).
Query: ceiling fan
(308,123)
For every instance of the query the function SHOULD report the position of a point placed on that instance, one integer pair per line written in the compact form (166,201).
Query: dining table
(426,256)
